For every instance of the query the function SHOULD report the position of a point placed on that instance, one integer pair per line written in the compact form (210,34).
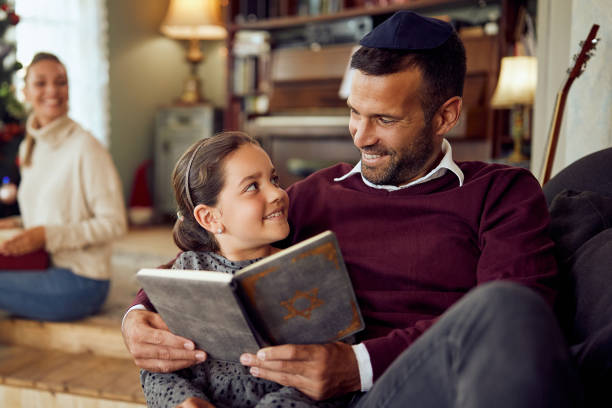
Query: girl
(231,208)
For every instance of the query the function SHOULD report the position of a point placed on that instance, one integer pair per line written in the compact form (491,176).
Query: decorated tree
(12,112)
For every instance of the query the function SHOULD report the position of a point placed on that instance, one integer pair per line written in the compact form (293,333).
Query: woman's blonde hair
(29,140)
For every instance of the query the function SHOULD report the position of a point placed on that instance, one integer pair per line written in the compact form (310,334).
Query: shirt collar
(445,165)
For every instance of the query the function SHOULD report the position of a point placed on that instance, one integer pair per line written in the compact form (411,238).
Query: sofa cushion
(576,217)
(591,269)
(581,226)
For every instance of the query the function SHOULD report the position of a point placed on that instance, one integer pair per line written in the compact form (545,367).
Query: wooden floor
(79,364)
(82,364)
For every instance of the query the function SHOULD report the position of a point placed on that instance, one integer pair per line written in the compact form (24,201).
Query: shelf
(305,80)
(292,21)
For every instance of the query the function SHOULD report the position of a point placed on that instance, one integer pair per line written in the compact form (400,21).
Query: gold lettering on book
(355,324)
(312,298)
(248,283)
(327,250)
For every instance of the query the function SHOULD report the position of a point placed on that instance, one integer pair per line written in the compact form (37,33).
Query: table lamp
(515,91)
(193,20)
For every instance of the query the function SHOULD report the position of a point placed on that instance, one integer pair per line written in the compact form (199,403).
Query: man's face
(388,126)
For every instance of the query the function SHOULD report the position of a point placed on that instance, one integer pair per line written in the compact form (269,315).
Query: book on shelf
(251,53)
(300,295)
(246,11)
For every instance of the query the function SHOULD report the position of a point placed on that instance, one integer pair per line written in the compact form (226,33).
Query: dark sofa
(580,203)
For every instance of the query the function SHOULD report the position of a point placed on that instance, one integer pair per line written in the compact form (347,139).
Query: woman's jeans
(55,294)
(499,346)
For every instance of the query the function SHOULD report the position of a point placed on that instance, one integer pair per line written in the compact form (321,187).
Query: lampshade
(194,19)
(517,82)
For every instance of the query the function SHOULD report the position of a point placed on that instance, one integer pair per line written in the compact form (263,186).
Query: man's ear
(447,115)
(207,217)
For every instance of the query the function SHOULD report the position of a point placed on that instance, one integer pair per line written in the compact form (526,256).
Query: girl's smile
(252,208)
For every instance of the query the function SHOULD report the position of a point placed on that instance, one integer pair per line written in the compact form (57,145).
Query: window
(77,32)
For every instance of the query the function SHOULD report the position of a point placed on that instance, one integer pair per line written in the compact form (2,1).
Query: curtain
(77,32)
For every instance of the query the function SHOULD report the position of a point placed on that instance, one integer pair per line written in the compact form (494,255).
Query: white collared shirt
(445,164)
(361,352)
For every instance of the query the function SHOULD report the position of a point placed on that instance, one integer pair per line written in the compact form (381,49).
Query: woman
(71,206)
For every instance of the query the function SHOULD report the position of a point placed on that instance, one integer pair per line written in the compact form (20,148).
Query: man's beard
(404,165)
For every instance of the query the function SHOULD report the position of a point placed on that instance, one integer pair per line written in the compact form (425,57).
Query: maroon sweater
(414,252)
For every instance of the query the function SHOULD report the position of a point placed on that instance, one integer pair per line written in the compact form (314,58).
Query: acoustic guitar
(586,52)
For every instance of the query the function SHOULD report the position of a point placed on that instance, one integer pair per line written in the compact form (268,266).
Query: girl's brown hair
(29,140)
(198,178)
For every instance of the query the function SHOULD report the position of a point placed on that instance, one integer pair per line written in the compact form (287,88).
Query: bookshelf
(295,74)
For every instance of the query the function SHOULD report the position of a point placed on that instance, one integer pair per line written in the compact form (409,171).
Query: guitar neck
(553,137)
(555,127)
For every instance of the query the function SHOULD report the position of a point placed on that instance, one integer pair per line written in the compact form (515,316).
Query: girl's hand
(28,241)
(194,402)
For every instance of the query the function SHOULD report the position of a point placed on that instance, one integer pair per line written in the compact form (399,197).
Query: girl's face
(252,208)
(46,89)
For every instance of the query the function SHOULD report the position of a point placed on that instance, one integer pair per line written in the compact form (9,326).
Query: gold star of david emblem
(311,296)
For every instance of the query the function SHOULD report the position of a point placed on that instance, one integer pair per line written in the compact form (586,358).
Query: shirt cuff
(365,366)
(135,307)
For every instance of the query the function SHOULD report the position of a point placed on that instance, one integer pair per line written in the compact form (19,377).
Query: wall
(147,71)
(587,123)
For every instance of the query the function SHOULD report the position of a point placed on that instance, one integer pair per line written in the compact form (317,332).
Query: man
(418,233)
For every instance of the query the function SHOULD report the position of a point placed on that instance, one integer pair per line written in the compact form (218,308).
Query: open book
(300,295)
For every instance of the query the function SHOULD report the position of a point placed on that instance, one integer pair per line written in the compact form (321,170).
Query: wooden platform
(82,364)
(27,373)
(96,336)
(79,364)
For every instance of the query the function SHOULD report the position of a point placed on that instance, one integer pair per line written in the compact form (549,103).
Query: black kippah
(406,30)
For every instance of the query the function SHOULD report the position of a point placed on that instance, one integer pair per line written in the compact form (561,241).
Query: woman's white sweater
(72,189)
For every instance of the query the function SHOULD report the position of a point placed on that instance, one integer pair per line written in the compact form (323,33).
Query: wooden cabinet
(302,75)
(176,128)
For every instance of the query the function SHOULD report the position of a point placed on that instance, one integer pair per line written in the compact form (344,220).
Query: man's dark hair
(443,69)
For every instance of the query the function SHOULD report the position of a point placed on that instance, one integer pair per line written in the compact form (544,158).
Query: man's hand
(154,347)
(28,241)
(320,371)
(195,402)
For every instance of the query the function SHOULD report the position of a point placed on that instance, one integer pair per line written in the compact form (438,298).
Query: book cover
(300,295)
